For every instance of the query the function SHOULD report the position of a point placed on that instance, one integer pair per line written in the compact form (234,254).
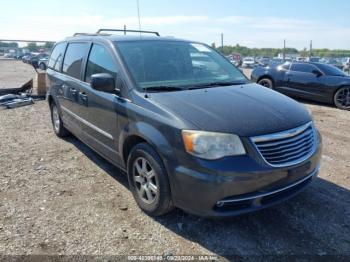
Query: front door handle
(83,96)
(73,91)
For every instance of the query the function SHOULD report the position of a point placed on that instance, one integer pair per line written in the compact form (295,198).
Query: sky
(252,23)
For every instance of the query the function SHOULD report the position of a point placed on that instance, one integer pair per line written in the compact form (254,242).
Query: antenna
(138,14)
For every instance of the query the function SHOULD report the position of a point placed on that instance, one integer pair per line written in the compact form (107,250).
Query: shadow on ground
(310,102)
(316,222)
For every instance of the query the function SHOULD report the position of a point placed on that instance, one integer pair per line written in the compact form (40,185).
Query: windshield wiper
(215,84)
(162,88)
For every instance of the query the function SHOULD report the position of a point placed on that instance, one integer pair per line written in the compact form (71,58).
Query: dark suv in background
(183,122)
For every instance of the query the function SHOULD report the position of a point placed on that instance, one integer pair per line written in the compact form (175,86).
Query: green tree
(48,45)
(32,47)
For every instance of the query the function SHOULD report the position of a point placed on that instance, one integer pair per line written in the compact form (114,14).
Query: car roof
(120,38)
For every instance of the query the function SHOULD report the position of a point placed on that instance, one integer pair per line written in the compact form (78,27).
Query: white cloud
(246,30)
(268,22)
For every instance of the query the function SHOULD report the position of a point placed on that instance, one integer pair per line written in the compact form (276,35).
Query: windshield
(177,64)
(331,70)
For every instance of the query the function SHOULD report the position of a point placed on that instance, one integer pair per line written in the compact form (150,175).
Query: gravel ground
(59,197)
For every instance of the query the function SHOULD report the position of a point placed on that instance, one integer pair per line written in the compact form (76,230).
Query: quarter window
(73,59)
(100,61)
(56,57)
(302,68)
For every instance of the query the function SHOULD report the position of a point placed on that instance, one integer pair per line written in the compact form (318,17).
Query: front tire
(148,180)
(57,123)
(342,98)
(266,82)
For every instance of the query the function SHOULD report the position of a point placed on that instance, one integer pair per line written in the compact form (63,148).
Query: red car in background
(235,58)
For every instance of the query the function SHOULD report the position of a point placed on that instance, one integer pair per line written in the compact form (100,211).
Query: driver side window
(100,61)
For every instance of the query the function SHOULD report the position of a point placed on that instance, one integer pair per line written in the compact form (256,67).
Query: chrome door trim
(87,123)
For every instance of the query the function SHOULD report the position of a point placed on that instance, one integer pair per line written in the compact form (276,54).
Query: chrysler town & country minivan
(185,124)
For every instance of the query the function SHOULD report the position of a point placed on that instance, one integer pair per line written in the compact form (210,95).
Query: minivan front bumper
(245,187)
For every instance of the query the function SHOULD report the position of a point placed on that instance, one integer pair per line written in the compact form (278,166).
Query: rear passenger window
(100,61)
(73,59)
(56,57)
(302,68)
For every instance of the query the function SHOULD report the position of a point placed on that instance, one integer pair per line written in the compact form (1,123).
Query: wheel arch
(142,132)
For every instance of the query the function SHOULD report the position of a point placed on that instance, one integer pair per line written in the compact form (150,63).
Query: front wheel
(266,82)
(342,98)
(148,180)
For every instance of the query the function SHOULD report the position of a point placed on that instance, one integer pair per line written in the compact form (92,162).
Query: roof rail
(126,30)
(87,34)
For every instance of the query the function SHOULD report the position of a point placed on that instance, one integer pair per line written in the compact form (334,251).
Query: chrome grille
(288,147)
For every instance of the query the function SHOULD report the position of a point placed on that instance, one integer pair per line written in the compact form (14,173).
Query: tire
(42,66)
(57,123)
(341,98)
(266,82)
(148,180)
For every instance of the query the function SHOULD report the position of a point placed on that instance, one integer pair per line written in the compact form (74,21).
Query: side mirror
(317,73)
(103,82)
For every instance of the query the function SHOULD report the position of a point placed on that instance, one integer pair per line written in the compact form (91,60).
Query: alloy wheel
(265,83)
(342,99)
(145,180)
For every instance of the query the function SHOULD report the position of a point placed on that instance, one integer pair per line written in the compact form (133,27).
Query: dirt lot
(14,73)
(59,197)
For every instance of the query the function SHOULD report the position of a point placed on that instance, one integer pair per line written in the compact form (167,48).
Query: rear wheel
(57,124)
(342,98)
(266,82)
(148,180)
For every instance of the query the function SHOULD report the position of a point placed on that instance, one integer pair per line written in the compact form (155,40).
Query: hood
(247,110)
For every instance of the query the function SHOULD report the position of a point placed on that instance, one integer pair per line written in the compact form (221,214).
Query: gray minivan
(185,124)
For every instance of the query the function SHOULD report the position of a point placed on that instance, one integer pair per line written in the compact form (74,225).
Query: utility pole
(310,55)
(222,42)
(284,50)
(138,15)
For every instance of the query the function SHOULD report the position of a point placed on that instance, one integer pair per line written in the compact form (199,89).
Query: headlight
(209,145)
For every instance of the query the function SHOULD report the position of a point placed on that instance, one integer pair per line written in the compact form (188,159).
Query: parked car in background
(275,61)
(42,64)
(264,61)
(19,56)
(236,59)
(26,58)
(346,63)
(34,60)
(188,134)
(314,81)
(300,59)
(335,62)
(314,59)
(10,55)
(248,62)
